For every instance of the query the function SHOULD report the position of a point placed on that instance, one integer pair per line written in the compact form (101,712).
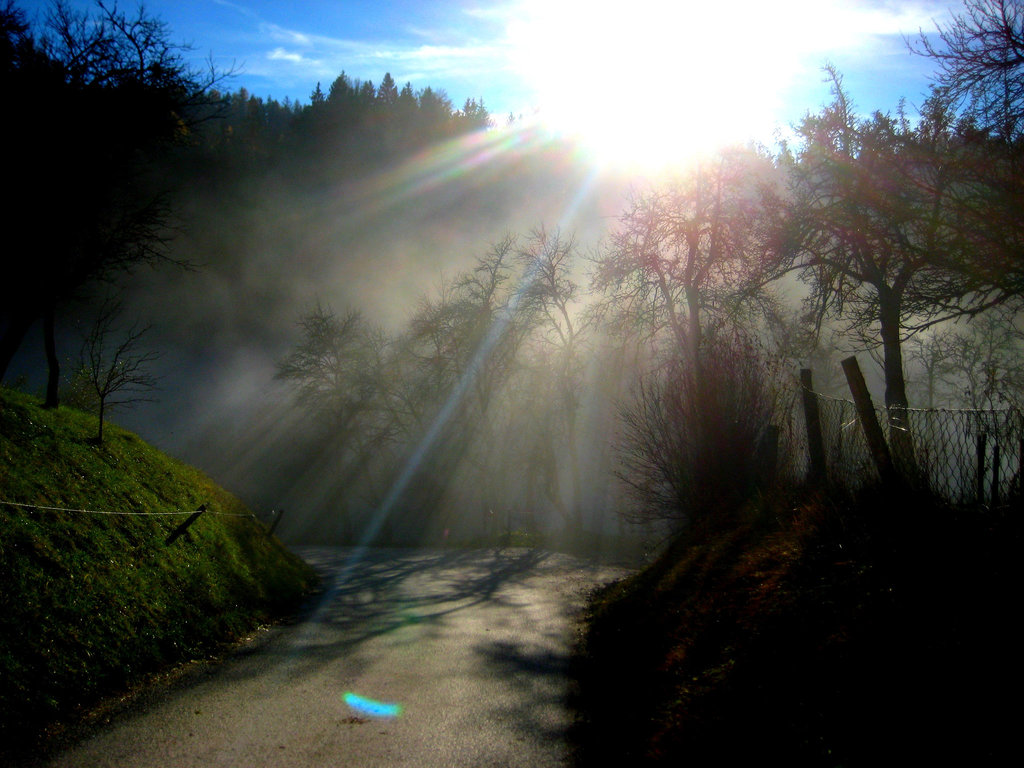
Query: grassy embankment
(91,604)
(867,631)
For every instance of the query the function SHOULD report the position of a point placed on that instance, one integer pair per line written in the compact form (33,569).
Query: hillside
(94,600)
(868,631)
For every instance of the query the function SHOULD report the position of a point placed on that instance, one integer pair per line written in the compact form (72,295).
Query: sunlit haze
(649,83)
(639,88)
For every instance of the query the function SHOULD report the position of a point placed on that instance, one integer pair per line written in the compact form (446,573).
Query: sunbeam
(430,437)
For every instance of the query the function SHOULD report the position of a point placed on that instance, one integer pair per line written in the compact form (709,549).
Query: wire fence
(190,515)
(963,456)
(123,513)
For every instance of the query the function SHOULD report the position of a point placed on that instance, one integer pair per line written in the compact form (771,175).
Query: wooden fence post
(277,519)
(812,420)
(1020,471)
(980,478)
(868,419)
(995,473)
(184,526)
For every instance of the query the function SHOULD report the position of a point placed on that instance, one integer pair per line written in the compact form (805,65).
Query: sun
(647,84)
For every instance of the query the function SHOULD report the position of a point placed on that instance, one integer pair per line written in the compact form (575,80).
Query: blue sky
(591,64)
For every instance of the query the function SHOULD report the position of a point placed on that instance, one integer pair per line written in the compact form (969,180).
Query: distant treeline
(355,123)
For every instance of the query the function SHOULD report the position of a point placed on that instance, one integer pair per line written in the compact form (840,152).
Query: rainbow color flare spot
(371,707)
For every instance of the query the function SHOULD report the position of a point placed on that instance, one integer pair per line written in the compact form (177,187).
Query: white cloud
(280,54)
(327,56)
(279,33)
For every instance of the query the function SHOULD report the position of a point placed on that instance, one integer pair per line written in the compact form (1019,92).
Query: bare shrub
(693,440)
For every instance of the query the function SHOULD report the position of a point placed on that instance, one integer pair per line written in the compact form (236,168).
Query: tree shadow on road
(406,598)
(539,673)
(371,593)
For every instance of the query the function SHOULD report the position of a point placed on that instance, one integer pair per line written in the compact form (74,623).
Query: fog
(267,248)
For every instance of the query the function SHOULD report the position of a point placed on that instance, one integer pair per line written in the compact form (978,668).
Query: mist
(403,324)
(266,248)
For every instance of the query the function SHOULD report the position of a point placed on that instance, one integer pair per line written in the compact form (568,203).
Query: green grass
(91,604)
(868,631)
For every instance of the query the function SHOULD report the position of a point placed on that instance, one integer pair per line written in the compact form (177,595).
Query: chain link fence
(963,456)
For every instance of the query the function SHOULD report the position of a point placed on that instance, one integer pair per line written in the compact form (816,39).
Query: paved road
(471,645)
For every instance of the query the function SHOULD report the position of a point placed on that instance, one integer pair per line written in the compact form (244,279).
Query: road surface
(409,658)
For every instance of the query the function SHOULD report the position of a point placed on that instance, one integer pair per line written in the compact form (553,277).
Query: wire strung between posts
(127,514)
(926,411)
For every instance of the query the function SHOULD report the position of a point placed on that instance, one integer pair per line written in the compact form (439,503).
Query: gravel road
(408,658)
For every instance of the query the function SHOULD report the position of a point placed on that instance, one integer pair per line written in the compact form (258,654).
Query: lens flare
(371,707)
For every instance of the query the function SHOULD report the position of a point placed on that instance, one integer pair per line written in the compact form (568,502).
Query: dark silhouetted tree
(876,225)
(316,98)
(387,93)
(980,59)
(472,117)
(334,367)
(99,98)
(465,340)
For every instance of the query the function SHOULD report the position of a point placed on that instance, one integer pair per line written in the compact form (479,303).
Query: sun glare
(650,84)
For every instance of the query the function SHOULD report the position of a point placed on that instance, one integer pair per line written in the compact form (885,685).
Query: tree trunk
(577,489)
(693,325)
(576,481)
(569,403)
(900,439)
(53,376)
(99,433)
(889,319)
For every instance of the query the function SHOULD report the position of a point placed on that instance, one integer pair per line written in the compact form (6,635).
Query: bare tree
(425,407)
(684,253)
(333,366)
(113,366)
(101,95)
(876,226)
(797,341)
(340,369)
(929,365)
(981,62)
(550,262)
(467,339)
(980,58)
(975,364)
(985,363)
